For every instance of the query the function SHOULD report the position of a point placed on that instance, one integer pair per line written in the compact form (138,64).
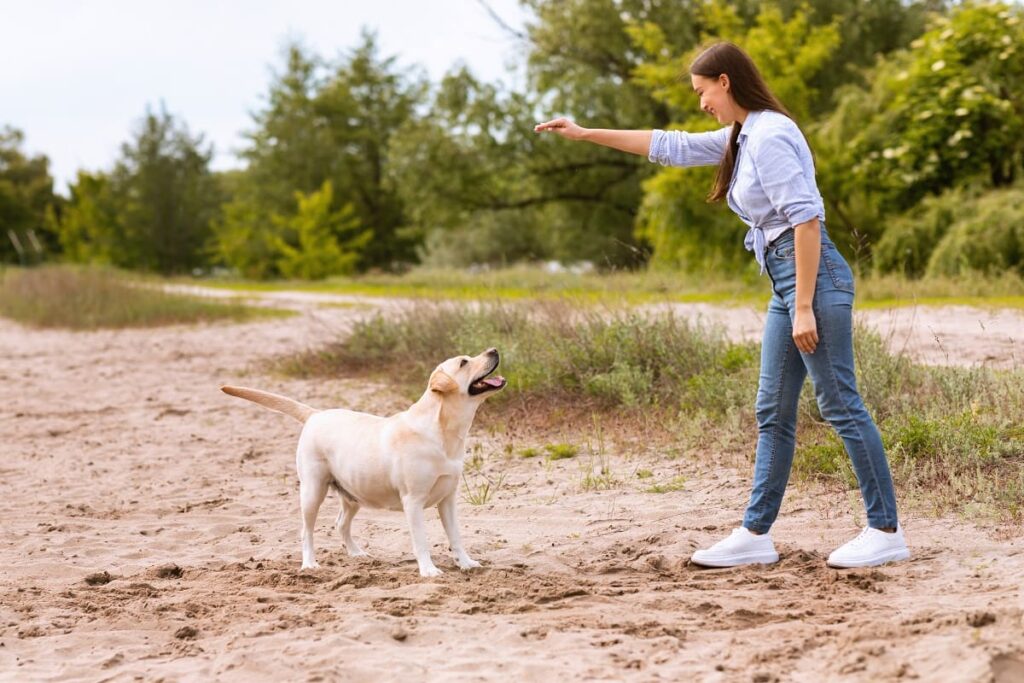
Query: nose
(491,351)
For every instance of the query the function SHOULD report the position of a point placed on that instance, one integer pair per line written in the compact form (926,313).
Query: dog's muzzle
(485,382)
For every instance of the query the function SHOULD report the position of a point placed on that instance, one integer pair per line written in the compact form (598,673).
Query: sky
(76,76)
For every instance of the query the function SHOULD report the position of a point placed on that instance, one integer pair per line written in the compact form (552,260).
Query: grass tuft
(90,298)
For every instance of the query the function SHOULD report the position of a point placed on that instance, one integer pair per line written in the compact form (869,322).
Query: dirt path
(121,456)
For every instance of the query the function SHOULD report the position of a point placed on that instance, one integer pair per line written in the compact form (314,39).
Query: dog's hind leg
(312,491)
(344,525)
(450,521)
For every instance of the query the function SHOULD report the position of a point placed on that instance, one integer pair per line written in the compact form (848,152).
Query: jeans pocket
(838,269)
(786,252)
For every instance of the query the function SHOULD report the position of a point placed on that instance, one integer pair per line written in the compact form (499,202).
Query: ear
(442,382)
(723,79)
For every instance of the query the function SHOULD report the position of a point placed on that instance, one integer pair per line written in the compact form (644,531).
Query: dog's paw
(310,565)
(467,564)
(430,571)
(358,552)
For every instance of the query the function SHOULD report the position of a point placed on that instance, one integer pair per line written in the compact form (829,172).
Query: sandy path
(120,456)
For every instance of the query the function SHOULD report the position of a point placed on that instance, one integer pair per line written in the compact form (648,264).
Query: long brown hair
(749,90)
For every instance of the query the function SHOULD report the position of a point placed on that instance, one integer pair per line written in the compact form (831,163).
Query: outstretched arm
(632,141)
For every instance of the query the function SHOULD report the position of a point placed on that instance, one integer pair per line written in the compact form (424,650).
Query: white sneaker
(872,547)
(741,547)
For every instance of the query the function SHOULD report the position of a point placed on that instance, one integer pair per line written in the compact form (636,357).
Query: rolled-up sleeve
(783,178)
(679,148)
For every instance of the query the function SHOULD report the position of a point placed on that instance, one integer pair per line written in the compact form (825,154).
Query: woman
(766,175)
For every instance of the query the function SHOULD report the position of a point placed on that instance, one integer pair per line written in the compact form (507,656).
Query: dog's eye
(463,363)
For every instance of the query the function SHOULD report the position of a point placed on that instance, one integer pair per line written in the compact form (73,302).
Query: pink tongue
(495,381)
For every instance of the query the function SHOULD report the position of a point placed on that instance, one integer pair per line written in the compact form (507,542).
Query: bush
(908,242)
(988,239)
(959,232)
(953,435)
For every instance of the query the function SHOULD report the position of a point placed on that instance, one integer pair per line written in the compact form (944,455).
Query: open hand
(562,126)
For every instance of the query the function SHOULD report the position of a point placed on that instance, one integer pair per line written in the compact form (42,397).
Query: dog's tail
(282,404)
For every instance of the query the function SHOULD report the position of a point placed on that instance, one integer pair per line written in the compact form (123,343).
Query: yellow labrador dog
(409,461)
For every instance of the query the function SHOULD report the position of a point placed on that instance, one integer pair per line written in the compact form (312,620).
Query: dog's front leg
(450,520)
(414,514)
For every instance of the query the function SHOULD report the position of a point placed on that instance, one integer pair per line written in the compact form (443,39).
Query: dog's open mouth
(487,383)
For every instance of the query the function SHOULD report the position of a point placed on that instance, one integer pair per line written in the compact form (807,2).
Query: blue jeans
(783,369)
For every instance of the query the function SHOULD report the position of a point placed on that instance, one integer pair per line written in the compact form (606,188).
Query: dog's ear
(442,382)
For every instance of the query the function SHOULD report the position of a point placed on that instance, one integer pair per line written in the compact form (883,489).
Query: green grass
(953,435)
(561,451)
(90,298)
(525,282)
(674,484)
(890,291)
(531,282)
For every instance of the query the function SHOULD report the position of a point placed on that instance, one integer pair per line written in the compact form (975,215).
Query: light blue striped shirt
(773,187)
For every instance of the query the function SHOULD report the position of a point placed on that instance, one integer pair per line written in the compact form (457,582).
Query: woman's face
(715,98)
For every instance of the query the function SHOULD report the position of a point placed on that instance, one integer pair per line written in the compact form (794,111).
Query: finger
(803,343)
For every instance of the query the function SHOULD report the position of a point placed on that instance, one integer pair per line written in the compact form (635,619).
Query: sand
(150,532)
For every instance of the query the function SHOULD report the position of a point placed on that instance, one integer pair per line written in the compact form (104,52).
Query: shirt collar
(748,126)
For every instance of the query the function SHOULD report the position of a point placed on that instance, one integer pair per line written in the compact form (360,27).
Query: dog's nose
(491,351)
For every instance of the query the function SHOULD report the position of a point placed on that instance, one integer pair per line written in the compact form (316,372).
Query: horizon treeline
(914,110)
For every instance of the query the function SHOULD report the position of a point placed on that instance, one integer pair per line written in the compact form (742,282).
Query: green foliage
(479,203)
(561,451)
(910,238)
(329,242)
(26,201)
(677,483)
(499,193)
(617,358)
(913,109)
(987,239)
(824,459)
(323,123)
(947,110)
(245,237)
(963,230)
(89,226)
(153,211)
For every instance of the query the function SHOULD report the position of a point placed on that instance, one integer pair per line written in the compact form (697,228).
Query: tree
(942,114)
(323,123)
(153,210)
(167,197)
(949,109)
(480,202)
(89,228)
(329,241)
(26,196)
